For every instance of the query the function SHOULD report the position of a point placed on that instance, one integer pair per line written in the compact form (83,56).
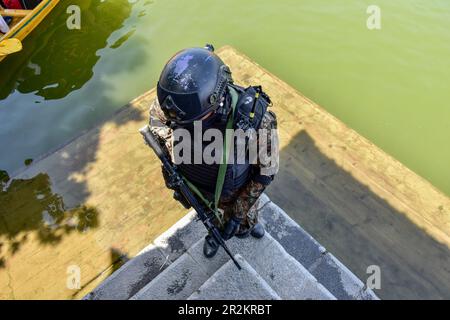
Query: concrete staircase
(287,263)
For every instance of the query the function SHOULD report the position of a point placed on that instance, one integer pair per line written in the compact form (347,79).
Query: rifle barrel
(151,140)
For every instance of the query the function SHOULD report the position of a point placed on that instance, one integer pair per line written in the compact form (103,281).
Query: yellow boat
(25,21)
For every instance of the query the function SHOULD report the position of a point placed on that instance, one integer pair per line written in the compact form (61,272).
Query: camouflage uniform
(242,203)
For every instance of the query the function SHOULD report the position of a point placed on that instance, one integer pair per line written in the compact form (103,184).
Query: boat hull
(23,28)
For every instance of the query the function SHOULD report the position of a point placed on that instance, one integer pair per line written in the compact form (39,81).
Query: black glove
(181,199)
(176,195)
(231,227)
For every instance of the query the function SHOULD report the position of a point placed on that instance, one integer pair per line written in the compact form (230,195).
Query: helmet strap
(224,107)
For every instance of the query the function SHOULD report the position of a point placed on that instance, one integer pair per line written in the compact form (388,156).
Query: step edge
(249,268)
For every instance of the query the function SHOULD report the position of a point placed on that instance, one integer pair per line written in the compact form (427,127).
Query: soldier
(195,86)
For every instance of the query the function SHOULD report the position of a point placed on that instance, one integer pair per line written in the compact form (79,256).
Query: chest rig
(251,106)
(248,106)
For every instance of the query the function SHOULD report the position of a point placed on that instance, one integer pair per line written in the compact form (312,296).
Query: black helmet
(192,84)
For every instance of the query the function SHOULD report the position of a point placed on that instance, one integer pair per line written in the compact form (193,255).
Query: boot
(258,231)
(210,247)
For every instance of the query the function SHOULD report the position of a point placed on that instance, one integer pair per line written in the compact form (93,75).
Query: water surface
(390,85)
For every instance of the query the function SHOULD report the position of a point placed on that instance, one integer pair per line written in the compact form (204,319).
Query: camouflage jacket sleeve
(159,128)
(265,169)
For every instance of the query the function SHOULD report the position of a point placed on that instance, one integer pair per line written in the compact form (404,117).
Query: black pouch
(246,105)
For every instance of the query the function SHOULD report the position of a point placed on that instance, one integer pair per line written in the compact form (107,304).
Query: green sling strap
(223,166)
(226,142)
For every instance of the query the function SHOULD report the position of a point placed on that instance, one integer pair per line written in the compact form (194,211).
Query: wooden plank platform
(363,205)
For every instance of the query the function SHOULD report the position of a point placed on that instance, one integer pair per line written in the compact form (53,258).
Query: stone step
(177,282)
(283,273)
(151,261)
(228,283)
(132,276)
(328,270)
(186,237)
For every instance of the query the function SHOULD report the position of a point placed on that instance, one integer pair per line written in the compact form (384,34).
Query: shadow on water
(357,226)
(56,60)
(32,205)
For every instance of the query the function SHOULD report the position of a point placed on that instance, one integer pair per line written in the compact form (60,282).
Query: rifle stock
(179,183)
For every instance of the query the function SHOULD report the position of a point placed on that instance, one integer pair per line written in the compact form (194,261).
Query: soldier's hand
(176,194)
(231,227)
(181,199)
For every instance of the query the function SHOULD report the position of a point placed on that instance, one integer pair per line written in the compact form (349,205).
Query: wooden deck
(363,205)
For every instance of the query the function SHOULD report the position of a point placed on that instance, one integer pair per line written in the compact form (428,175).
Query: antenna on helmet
(209,47)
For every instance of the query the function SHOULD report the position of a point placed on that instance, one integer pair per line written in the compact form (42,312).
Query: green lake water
(391,85)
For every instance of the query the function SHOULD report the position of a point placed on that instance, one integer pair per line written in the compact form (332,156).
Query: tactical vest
(248,115)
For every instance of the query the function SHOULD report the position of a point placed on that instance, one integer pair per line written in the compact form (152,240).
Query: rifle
(180,185)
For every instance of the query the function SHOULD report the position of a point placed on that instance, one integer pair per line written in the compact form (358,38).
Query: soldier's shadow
(357,225)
